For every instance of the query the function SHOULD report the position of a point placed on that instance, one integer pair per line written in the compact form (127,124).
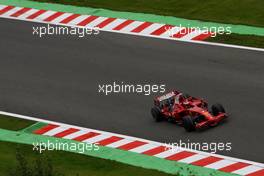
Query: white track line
(76,134)
(131,26)
(143,148)
(44,15)
(12,11)
(168,153)
(28,13)
(96,138)
(247,170)
(153,27)
(113,24)
(192,35)
(193,158)
(119,143)
(2,6)
(78,20)
(55,131)
(95,22)
(171,32)
(61,17)
(220,164)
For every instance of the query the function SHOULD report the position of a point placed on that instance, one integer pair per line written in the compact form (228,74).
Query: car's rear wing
(167,96)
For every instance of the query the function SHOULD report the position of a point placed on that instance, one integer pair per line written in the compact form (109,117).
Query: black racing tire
(156,113)
(188,123)
(217,109)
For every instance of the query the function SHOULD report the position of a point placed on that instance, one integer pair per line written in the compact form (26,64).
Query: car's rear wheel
(156,113)
(217,109)
(188,123)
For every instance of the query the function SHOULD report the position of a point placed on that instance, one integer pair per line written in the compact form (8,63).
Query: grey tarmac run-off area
(57,78)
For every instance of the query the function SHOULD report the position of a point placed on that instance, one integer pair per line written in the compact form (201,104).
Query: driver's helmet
(183,98)
(170,101)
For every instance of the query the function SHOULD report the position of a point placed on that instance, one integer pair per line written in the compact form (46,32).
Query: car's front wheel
(217,109)
(156,113)
(188,123)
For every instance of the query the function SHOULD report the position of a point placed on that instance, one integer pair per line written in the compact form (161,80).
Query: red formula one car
(190,112)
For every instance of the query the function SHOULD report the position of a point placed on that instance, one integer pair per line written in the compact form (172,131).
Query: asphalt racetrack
(57,78)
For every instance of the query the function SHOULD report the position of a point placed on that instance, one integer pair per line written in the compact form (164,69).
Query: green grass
(236,39)
(249,12)
(12,123)
(70,164)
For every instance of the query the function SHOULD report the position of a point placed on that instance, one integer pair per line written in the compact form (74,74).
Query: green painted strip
(238,29)
(131,158)
(34,127)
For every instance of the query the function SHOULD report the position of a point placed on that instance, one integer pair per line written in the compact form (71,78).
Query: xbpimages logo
(63,30)
(145,89)
(79,147)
